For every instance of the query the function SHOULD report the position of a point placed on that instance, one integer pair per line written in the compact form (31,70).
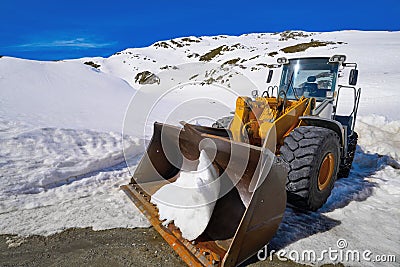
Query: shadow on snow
(297,224)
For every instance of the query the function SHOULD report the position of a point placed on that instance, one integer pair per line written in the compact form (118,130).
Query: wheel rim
(326,171)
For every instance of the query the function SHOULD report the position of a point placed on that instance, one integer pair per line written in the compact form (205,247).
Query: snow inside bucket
(196,192)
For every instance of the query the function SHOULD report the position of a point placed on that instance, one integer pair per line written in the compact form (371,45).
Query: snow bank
(53,179)
(54,172)
(378,135)
(190,200)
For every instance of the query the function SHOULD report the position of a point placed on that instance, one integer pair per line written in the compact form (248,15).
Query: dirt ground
(85,247)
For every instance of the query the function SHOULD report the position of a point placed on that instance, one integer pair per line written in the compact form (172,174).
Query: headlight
(282,60)
(338,58)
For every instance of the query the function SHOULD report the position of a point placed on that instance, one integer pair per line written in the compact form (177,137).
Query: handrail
(357,94)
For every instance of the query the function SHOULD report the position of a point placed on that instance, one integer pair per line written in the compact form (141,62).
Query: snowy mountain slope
(375,52)
(53,165)
(62,94)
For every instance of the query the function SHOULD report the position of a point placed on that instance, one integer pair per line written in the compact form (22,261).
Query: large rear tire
(313,154)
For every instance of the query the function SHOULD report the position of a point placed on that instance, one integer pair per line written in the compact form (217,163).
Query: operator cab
(309,77)
(316,77)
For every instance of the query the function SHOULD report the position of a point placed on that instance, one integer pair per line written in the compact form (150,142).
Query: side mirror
(269,78)
(353,77)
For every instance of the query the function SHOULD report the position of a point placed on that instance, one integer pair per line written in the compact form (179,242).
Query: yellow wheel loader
(292,146)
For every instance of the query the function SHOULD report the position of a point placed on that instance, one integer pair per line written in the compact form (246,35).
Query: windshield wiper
(294,89)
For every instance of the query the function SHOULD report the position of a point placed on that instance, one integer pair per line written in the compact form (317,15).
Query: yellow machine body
(255,120)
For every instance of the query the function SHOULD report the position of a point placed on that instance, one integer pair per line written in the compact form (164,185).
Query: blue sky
(51,30)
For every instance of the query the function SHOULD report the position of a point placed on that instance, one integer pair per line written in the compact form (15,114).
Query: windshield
(312,77)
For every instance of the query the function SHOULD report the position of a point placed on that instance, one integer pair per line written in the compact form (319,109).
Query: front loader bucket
(252,199)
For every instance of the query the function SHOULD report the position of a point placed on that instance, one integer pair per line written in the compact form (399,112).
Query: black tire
(345,165)
(306,149)
(223,123)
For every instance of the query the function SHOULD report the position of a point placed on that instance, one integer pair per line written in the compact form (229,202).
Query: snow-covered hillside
(375,52)
(61,158)
(62,94)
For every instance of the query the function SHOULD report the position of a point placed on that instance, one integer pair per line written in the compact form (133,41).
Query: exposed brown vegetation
(272,54)
(304,46)
(92,64)
(286,35)
(231,62)
(213,53)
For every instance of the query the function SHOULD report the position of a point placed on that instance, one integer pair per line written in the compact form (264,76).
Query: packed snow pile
(54,178)
(378,135)
(190,200)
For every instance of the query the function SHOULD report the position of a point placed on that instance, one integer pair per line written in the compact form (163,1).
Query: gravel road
(85,247)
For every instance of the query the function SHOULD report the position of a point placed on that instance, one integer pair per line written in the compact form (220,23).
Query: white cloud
(77,43)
